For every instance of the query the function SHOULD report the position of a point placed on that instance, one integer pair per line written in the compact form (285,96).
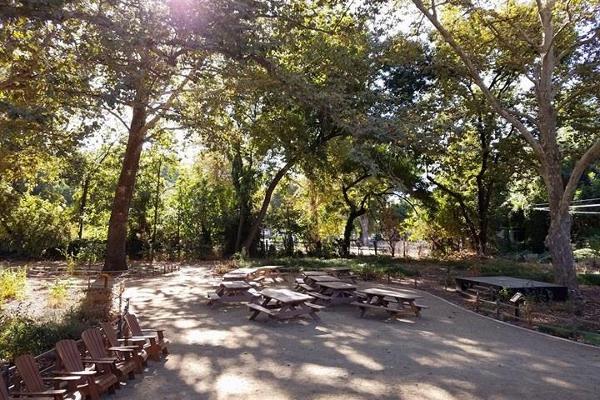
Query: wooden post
(477,301)
(498,308)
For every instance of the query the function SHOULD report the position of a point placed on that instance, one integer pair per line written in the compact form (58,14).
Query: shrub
(19,335)
(589,279)
(12,283)
(57,293)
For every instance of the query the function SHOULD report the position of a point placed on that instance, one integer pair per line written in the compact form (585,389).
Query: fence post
(497,308)
(477,301)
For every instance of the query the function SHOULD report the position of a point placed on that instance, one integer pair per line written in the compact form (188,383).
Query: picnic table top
(243,271)
(270,267)
(338,269)
(235,285)
(323,278)
(337,285)
(401,294)
(314,273)
(285,295)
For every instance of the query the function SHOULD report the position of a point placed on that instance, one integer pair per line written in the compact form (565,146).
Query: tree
(554,54)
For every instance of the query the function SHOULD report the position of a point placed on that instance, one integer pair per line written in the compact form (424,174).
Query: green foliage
(589,279)
(58,292)
(19,335)
(12,283)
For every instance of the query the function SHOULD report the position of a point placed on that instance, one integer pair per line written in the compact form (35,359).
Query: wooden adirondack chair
(28,395)
(35,383)
(158,343)
(96,381)
(125,366)
(132,343)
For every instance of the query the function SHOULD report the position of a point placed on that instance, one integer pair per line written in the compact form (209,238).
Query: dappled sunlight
(216,353)
(355,357)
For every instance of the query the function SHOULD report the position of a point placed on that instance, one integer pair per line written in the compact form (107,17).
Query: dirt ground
(449,353)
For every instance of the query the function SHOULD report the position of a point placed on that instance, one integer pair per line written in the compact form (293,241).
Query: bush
(36,225)
(589,279)
(57,293)
(12,284)
(20,335)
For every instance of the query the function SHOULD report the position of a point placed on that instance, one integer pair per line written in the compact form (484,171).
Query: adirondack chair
(35,383)
(158,343)
(132,343)
(125,366)
(28,395)
(95,381)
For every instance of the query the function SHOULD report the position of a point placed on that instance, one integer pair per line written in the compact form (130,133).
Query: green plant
(57,293)
(12,283)
(19,334)
(589,279)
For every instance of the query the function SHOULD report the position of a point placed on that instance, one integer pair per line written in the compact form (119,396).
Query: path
(449,353)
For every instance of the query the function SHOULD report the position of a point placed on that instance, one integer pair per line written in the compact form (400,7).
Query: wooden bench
(306,287)
(212,297)
(314,306)
(319,296)
(258,309)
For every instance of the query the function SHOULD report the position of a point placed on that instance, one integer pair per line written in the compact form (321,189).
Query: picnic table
(334,292)
(240,274)
(232,291)
(308,283)
(391,301)
(284,304)
(272,272)
(313,273)
(343,273)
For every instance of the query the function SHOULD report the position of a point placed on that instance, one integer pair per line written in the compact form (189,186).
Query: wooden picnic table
(272,272)
(341,273)
(284,304)
(240,274)
(232,291)
(313,273)
(391,301)
(334,292)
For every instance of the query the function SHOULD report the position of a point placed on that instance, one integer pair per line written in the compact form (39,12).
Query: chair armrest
(47,393)
(122,349)
(104,360)
(76,373)
(60,378)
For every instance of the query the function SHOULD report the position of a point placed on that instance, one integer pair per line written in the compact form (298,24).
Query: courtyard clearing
(448,353)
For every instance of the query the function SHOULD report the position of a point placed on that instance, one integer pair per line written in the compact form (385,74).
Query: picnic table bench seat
(319,296)
(305,287)
(258,307)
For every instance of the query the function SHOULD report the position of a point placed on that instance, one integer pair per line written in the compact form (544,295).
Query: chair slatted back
(110,334)
(134,325)
(30,373)
(69,355)
(3,389)
(94,343)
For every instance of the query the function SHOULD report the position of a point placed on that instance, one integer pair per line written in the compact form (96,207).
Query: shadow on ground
(216,353)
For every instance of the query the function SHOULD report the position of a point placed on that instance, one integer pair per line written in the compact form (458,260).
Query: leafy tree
(552,46)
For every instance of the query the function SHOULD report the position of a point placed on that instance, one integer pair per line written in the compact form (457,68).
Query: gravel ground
(449,353)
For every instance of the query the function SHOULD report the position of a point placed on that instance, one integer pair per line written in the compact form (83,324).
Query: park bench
(158,344)
(36,385)
(94,381)
(124,366)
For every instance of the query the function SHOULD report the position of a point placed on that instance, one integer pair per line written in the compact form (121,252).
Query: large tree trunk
(348,228)
(265,206)
(116,256)
(558,239)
